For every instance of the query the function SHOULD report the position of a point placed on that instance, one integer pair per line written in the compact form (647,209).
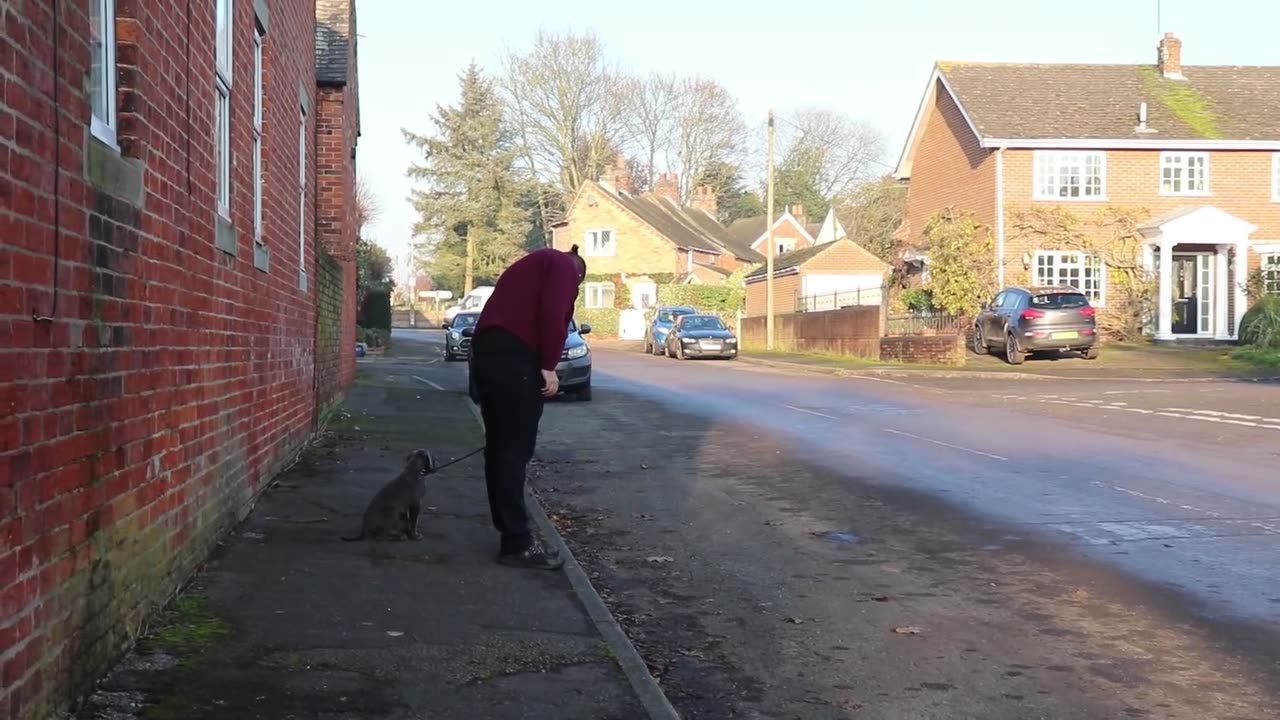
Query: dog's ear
(573,250)
(428,461)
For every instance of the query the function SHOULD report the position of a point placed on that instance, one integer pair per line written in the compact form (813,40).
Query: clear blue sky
(867,59)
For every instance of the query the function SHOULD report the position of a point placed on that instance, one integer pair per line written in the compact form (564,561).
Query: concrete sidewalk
(288,621)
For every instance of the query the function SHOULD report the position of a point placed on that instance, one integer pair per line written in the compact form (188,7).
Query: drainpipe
(1000,216)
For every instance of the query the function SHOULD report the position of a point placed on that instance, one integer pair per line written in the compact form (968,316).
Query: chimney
(797,212)
(621,175)
(704,199)
(1170,58)
(668,186)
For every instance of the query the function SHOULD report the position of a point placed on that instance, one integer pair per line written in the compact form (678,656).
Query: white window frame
(302,191)
(1275,177)
(1270,275)
(589,243)
(1061,261)
(785,245)
(222,112)
(593,295)
(1177,166)
(102,122)
(1046,177)
(258,39)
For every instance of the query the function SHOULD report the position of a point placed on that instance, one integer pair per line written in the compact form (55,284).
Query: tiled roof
(715,269)
(333,40)
(1042,101)
(747,230)
(686,227)
(786,261)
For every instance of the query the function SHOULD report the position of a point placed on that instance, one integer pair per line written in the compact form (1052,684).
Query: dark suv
(1037,319)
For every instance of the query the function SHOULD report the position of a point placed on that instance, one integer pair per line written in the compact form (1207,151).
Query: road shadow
(759,581)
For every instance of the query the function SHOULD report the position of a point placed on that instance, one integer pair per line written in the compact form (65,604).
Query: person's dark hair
(582,264)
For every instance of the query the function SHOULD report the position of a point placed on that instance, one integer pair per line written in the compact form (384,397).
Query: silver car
(573,370)
(457,345)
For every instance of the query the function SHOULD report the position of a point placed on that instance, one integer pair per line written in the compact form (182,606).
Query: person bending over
(516,345)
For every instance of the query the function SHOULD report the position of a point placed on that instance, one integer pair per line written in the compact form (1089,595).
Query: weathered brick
(162,351)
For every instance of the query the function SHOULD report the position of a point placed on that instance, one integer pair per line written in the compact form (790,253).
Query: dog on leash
(394,510)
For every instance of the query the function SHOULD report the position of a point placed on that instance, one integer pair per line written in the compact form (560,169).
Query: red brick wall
(949,169)
(335,204)
(170,379)
(924,349)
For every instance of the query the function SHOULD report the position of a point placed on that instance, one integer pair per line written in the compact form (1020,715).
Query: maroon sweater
(533,300)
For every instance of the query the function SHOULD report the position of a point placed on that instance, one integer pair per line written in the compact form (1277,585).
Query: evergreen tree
(473,213)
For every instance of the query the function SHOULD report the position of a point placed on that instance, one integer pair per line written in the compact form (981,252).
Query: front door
(1192,300)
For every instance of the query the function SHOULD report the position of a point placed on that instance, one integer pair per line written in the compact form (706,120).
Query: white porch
(1200,258)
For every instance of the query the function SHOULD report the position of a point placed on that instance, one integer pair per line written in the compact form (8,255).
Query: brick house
(1190,155)
(643,237)
(820,277)
(168,322)
(790,231)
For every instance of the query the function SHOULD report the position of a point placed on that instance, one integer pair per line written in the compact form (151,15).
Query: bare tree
(837,152)
(563,93)
(367,207)
(709,129)
(651,108)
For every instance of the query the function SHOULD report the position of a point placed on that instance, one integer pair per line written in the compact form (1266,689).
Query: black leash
(459,459)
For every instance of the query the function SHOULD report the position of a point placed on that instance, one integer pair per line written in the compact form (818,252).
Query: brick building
(1189,155)
(175,295)
(826,276)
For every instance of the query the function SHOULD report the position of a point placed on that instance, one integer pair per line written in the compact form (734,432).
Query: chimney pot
(668,186)
(704,199)
(1169,60)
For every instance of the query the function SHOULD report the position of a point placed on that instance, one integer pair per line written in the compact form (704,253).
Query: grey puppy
(395,508)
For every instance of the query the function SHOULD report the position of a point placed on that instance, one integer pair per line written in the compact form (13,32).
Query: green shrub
(603,321)
(373,337)
(375,310)
(1260,326)
(917,300)
(720,299)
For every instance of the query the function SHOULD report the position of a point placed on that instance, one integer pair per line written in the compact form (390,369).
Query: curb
(987,374)
(646,688)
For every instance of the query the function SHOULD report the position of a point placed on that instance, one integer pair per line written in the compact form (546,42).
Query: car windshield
(701,322)
(1059,301)
(669,316)
(465,320)
(573,327)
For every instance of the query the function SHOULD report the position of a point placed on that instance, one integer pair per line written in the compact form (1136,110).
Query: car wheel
(680,353)
(1090,354)
(659,350)
(979,342)
(648,347)
(1012,354)
(584,394)
(448,357)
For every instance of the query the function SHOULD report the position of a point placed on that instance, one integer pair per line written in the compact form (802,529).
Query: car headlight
(574,353)
(688,339)
(731,341)
(454,334)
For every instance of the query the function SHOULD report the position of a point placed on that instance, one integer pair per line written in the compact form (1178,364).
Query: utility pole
(768,281)
(468,273)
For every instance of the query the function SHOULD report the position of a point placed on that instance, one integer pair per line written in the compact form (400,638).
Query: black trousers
(509,384)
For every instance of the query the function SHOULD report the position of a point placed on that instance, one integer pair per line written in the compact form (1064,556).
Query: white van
(473,300)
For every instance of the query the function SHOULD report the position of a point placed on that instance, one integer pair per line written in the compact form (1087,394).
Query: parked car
(573,370)
(655,335)
(456,345)
(700,336)
(1022,321)
(472,301)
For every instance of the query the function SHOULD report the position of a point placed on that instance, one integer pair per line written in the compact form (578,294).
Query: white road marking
(1214,416)
(428,382)
(811,412)
(1133,392)
(945,444)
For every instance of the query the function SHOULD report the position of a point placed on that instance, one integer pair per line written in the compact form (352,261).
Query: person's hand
(550,383)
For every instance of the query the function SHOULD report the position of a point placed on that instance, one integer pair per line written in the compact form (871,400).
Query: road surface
(795,545)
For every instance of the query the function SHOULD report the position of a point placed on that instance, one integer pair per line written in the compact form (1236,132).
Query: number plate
(1066,335)
(710,344)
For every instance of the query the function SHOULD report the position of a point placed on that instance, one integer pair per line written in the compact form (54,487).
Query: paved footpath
(288,621)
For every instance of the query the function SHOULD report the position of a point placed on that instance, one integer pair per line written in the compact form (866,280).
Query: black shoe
(533,557)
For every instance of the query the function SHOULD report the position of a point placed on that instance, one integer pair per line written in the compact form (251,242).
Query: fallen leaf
(793,620)
(660,559)
(394,633)
(907,630)
(644,466)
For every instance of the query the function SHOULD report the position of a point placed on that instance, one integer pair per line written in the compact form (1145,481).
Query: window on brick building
(102,69)
(1271,273)
(1081,271)
(1184,173)
(786,246)
(599,294)
(302,198)
(257,136)
(599,242)
(1070,175)
(223,82)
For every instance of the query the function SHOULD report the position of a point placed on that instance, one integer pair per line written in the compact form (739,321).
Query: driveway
(793,545)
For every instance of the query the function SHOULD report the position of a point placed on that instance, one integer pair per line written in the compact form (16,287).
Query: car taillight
(1088,311)
(1032,314)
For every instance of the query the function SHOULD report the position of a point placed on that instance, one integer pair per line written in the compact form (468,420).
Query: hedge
(375,310)
(720,299)
(603,321)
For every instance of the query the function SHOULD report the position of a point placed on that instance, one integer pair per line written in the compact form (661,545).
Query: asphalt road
(1132,531)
